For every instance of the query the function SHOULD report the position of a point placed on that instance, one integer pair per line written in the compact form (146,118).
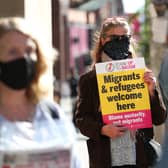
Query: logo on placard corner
(109,67)
(124,65)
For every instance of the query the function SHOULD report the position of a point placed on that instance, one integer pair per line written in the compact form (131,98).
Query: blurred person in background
(25,121)
(112,146)
(57,91)
(57,96)
(73,81)
(135,25)
(158,15)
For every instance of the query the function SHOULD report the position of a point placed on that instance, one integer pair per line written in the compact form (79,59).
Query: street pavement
(81,140)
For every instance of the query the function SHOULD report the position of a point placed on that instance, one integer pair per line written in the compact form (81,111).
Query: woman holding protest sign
(112,145)
(31,127)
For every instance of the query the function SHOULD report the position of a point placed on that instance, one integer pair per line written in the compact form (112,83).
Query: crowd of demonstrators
(113,145)
(25,121)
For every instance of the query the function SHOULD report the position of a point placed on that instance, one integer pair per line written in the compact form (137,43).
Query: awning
(92,5)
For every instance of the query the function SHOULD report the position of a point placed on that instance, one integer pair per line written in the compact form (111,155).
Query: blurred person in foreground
(163,82)
(112,146)
(25,121)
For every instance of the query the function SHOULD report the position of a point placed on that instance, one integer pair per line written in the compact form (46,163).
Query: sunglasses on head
(118,37)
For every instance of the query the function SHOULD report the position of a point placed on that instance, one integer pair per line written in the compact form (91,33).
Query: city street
(49,47)
(81,140)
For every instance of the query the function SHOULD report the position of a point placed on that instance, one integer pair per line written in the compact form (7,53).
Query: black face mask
(17,74)
(118,47)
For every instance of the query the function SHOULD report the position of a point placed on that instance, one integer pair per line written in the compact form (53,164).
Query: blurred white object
(43,136)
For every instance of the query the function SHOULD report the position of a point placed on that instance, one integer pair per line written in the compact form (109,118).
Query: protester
(113,43)
(163,79)
(25,119)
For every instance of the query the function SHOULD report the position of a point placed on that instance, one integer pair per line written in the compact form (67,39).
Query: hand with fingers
(150,80)
(113,131)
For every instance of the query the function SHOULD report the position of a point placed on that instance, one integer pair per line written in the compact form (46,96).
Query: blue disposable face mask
(118,47)
(17,74)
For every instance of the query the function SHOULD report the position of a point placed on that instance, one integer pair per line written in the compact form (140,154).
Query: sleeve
(87,117)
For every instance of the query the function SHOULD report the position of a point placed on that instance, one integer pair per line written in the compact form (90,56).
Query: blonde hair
(113,22)
(34,92)
(107,25)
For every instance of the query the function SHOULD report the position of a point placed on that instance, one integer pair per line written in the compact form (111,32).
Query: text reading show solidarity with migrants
(124,96)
